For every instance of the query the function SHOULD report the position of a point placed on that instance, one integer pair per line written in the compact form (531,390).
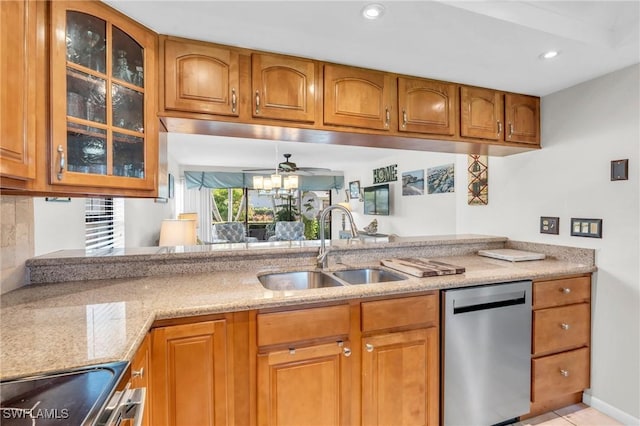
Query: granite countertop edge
(58,311)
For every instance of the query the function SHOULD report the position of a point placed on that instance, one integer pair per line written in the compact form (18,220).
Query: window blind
(104,223)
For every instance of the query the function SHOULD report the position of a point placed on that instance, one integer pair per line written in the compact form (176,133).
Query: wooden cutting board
(420,267)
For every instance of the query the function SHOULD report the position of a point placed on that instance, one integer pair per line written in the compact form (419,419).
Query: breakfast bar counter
(48,327)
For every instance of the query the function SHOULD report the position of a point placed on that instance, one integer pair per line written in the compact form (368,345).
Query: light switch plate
(549,225)
(586,227)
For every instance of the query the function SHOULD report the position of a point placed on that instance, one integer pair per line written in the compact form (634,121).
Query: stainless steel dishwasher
(487,354)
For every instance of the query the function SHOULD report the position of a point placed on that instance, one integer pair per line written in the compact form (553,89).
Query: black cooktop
(66,398)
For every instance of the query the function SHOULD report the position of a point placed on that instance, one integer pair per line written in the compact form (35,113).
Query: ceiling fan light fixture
(276,181)
(373,11)
(258,182)
(291,182)
(549,54)
(267,186)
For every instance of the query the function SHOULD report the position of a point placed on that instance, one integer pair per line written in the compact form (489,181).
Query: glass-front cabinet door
(104,125)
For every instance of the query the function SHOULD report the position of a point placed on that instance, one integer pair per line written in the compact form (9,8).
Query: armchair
(288,231)
(233,232)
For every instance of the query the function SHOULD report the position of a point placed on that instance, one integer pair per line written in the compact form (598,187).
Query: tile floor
(573,415)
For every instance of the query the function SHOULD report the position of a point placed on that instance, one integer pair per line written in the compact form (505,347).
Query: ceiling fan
(291,167)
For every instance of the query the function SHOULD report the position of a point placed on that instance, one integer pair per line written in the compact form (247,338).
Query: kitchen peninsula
(57,326)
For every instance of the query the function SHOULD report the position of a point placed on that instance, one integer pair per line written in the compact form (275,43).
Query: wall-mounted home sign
(385,174)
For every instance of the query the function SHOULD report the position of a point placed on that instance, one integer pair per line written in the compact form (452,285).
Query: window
(104,223)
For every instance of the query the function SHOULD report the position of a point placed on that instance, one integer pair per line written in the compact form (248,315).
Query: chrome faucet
(322,255)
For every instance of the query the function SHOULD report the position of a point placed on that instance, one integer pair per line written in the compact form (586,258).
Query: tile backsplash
(16,234)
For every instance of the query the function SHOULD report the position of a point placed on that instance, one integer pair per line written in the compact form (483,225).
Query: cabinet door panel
(103,89)
(201,78)
(481,113)
(306,386)
(400,383)
(283,88)
(522,117)
(17,96)
(565,291)
(190,374)
(357,98)
(426,106)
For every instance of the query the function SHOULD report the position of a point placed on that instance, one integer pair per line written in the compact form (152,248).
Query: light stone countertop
(51,327)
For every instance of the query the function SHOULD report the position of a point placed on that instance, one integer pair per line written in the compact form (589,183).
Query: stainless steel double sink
(302,280)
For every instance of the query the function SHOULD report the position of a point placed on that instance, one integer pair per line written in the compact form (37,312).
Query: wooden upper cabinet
(522,118)
(357,97)
(283,88)
(481,113)
(201,77)
(426,106)
(103,99)
(192,380)
(18,94)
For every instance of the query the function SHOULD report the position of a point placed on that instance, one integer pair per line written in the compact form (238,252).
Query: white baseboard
(610,410)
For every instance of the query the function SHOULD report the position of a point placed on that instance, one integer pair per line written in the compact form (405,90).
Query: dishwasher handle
(472,304)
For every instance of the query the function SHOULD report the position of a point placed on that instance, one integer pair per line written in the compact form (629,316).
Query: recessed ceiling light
(549,55)
(373,11)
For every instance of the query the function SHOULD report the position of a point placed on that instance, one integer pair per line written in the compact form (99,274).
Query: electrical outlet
(586,227)
(549,225)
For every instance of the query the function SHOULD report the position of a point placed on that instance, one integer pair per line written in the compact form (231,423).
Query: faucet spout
(322,255)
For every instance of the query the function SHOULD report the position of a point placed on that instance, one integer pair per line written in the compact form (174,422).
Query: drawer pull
(369,347)
(137,373)
(564,373)
(564,326)
(292,351)
(346,352)
(565,290)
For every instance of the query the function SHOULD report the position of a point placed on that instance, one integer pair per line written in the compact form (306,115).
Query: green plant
(311,227)
(287,211)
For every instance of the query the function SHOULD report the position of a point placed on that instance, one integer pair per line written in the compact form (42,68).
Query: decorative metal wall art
(385,174)
(478,186)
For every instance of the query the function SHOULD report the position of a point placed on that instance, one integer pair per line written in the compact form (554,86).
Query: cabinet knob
(257,102)
(369,347)
(564,373)
(137,373)
(62,162)
(565,290)
(564,326)
(346,352)
(234,100)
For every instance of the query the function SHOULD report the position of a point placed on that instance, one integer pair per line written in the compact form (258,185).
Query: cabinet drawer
(385,314)
(557,329)
(561,292)
(560,374)
(302,325)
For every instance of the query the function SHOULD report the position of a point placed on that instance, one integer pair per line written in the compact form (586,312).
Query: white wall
(58,225)
(143,217)
(583,129)
(427,214)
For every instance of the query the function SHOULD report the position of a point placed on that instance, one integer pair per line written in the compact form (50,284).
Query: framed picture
(354,190)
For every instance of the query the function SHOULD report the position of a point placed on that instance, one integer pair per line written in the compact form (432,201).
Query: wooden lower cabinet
(400,378)
(192,375)
(140,373)
(560,351)
(306,386)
